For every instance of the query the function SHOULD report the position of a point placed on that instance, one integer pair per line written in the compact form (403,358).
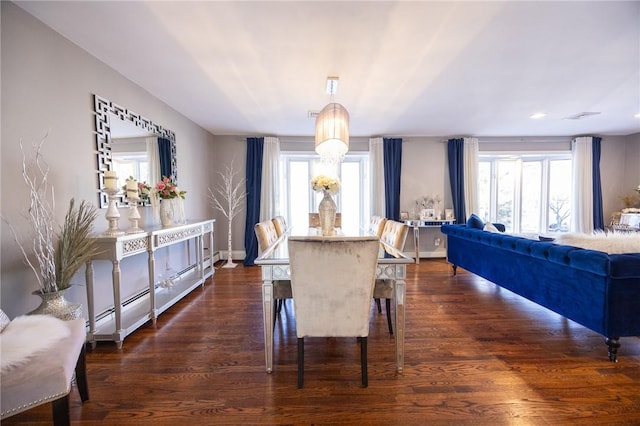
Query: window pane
(506,192)
(531,196)
(299,199)
(559,195)
(299,184)
(484,190)
(350,196)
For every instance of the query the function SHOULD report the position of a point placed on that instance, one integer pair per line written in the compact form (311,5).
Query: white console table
(629,222)
(116,248)
(417,225)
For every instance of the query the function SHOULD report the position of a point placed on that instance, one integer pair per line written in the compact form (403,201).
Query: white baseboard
(235,254)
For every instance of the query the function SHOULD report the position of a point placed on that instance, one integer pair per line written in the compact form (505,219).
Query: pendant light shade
(332,132)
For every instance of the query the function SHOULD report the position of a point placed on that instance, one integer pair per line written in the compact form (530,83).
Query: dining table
(391,270)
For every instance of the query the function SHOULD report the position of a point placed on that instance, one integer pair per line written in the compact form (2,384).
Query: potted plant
(59,250)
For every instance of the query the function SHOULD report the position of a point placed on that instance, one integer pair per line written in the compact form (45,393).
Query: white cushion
(490,227)
(28,336)
(45,376)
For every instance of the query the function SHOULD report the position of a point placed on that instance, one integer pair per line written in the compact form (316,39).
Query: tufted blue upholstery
(595,289)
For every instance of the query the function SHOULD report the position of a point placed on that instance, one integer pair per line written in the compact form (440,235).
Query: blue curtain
(392,160)
(598,215)
(255,149)
(164,152)
(455,152)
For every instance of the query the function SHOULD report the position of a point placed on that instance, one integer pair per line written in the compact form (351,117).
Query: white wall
(632,163)
(47,87)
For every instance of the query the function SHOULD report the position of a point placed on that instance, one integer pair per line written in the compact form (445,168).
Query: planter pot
(56,305)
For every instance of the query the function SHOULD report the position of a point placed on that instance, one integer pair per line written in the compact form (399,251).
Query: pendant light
(332,128)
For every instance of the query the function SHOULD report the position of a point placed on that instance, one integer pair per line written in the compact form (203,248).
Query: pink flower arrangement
(167,189)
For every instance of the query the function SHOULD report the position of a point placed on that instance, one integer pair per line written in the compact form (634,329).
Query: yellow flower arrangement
(325,183)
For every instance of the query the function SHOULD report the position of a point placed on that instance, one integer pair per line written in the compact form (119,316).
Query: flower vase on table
(327,214)
(166,212)
(327,206)
(171,210)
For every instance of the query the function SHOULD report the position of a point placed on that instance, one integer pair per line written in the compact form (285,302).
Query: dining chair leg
(275,312)
(363,361)
(300,362)
(388,306)
(378,305)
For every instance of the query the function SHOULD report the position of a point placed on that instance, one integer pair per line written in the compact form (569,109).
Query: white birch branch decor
(227,197)
(57,261)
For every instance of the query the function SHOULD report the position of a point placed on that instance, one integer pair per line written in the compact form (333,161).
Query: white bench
(44,375)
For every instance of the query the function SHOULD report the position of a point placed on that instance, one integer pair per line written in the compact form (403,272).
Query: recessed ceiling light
(538,115)
(637,115)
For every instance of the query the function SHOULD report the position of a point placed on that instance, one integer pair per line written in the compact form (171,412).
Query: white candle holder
(112,214)
(134,218)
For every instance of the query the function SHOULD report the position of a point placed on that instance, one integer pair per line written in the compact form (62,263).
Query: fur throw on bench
(27,336)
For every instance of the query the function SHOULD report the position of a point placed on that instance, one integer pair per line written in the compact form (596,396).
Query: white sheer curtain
(582,186)
(270,187)
(376,173)
(154,160)
(470,175)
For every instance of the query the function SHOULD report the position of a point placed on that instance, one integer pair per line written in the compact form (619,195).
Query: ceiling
(406,68)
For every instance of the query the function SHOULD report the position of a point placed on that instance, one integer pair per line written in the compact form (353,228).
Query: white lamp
(332,128)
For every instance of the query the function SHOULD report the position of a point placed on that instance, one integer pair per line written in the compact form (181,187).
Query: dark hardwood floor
(475,354)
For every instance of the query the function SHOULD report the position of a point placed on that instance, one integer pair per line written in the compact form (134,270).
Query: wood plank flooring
(475,354)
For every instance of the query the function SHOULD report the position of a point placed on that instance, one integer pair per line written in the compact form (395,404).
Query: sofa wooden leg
(60,408)
(455,269)
(613,343)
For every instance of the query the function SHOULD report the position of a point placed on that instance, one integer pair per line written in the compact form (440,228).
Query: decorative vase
(57,305)
(327,214)
(166,212)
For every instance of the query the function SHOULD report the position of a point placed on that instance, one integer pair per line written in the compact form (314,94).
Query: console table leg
(613,343)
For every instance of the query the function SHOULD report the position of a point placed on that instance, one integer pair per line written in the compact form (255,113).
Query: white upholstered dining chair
(267,234)
(279,224)
(394,234)
(332,285)
(314,220)
(376,225)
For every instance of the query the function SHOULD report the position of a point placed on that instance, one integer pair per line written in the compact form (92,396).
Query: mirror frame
(103,109)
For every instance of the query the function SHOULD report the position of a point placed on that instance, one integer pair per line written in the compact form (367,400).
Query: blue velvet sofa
(597,290)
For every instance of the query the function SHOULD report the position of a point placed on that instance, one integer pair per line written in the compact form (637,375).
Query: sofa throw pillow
(474,221)
(611,242)
(490,227)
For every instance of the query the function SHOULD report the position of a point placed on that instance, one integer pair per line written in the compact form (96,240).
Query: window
(131,164)
(299,199)
(527,193)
